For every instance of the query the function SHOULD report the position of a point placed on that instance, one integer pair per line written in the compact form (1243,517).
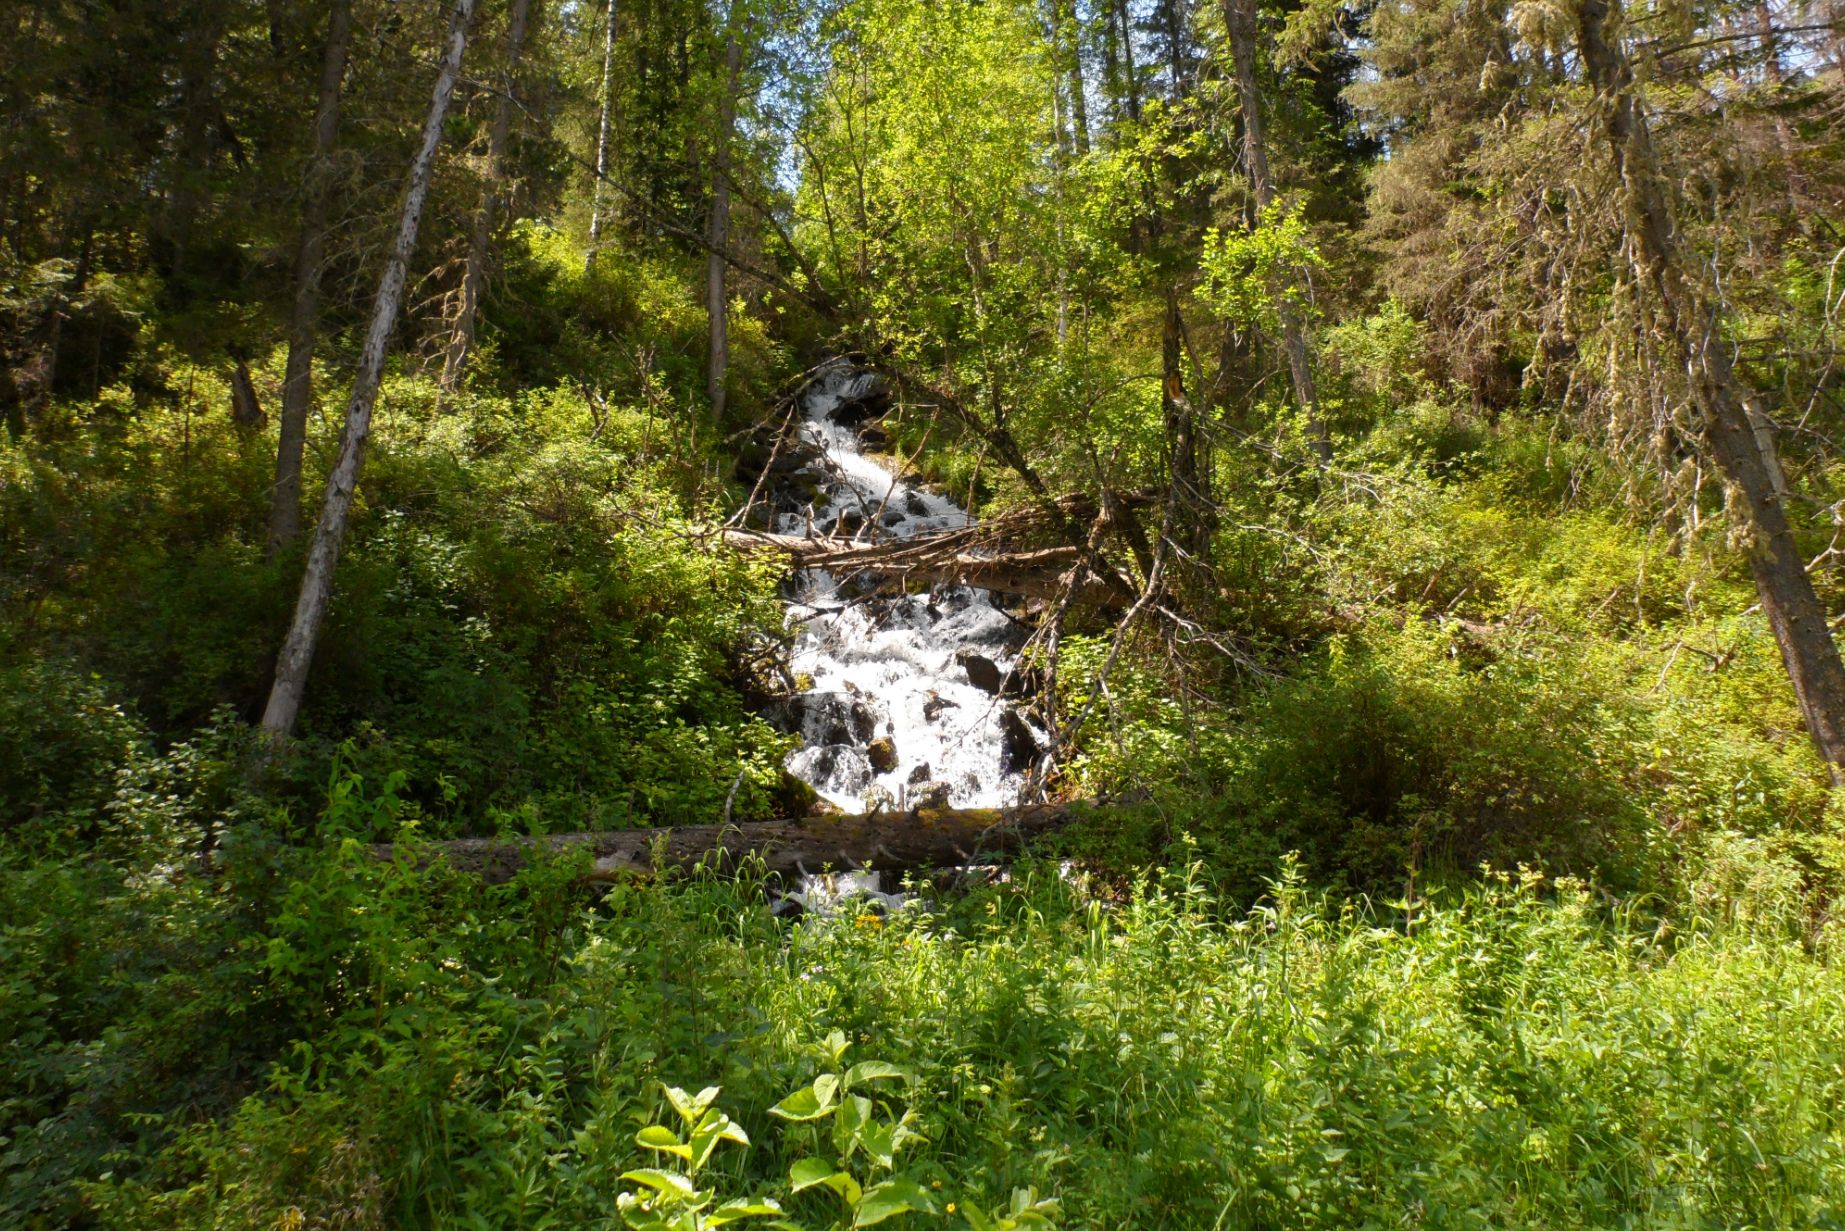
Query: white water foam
(886,668)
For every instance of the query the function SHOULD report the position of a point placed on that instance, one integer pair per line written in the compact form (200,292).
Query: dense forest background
(1439,401)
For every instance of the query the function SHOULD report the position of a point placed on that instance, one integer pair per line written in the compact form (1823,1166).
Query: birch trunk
(717,302)
(298,376)
(317,578)
(1691,325)
(1069,45)
(480,238)
(1240,22)
(602,141)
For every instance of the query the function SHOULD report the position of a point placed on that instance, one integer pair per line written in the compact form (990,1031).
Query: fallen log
(896,842)
(1037,573)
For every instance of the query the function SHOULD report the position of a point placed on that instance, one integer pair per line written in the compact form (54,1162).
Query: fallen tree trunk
(898,842)
(1036,573)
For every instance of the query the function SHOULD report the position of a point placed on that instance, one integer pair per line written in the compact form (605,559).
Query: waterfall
(911,701)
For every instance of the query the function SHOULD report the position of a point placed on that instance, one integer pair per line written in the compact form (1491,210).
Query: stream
(905,706)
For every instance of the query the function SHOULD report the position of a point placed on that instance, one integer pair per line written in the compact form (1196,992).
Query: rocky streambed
(914,699)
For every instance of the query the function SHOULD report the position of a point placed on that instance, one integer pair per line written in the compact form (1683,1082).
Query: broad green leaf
(977,1220)
(808,1172)
(891,1198)
(855,1112)
(659,1137)
(878,1143)
(803,1104)
(664,1181)
(836,1045)
(826,1088)
(715,1127)
(736,1211)
(873,1070)
(691,1108)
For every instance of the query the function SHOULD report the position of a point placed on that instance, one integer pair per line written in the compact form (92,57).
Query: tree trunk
(1069,46)
(45,371)
(192,165)
(1240,22)
(1181,427)
(298,376)
(480,239)
(1130,71)
(602,141)
(1692,327)
(342,484)
(246,408)
(717,302)
(1172,15)
(895,843)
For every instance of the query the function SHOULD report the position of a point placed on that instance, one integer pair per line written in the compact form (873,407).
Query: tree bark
(246,408)
(480,238)
(342,484)
(1131,72)
(1691,323)
(45,376)
(717,302)
(602,141)
(298,376)
(896,843)
(1069,47)
(1187,477)
(1240,22)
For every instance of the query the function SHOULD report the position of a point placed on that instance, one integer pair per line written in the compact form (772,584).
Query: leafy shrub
(1154,1061)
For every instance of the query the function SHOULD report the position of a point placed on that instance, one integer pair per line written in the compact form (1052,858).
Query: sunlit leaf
(891,1198)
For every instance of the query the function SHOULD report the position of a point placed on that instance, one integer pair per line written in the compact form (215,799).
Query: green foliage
(1507,1055)
(854,1127)
(524,622)
(1250,276)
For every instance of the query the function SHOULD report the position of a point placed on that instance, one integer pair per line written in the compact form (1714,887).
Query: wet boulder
(882,753)
(936,703)
(836,768)
(827,717)
(1021,682)
(982,672)
(928,794)
(866,397)
(1019,748)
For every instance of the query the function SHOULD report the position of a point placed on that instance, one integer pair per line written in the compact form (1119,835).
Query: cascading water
(905,707)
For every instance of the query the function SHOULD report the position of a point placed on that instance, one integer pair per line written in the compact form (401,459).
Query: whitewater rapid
(902,707)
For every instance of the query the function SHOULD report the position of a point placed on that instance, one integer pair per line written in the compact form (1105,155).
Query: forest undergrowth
(1432,409)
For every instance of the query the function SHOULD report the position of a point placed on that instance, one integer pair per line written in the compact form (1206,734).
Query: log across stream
(792,851)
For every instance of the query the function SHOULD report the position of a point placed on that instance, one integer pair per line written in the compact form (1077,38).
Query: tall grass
(1517,1055)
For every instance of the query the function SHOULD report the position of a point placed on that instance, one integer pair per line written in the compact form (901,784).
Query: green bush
(1510,1057)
